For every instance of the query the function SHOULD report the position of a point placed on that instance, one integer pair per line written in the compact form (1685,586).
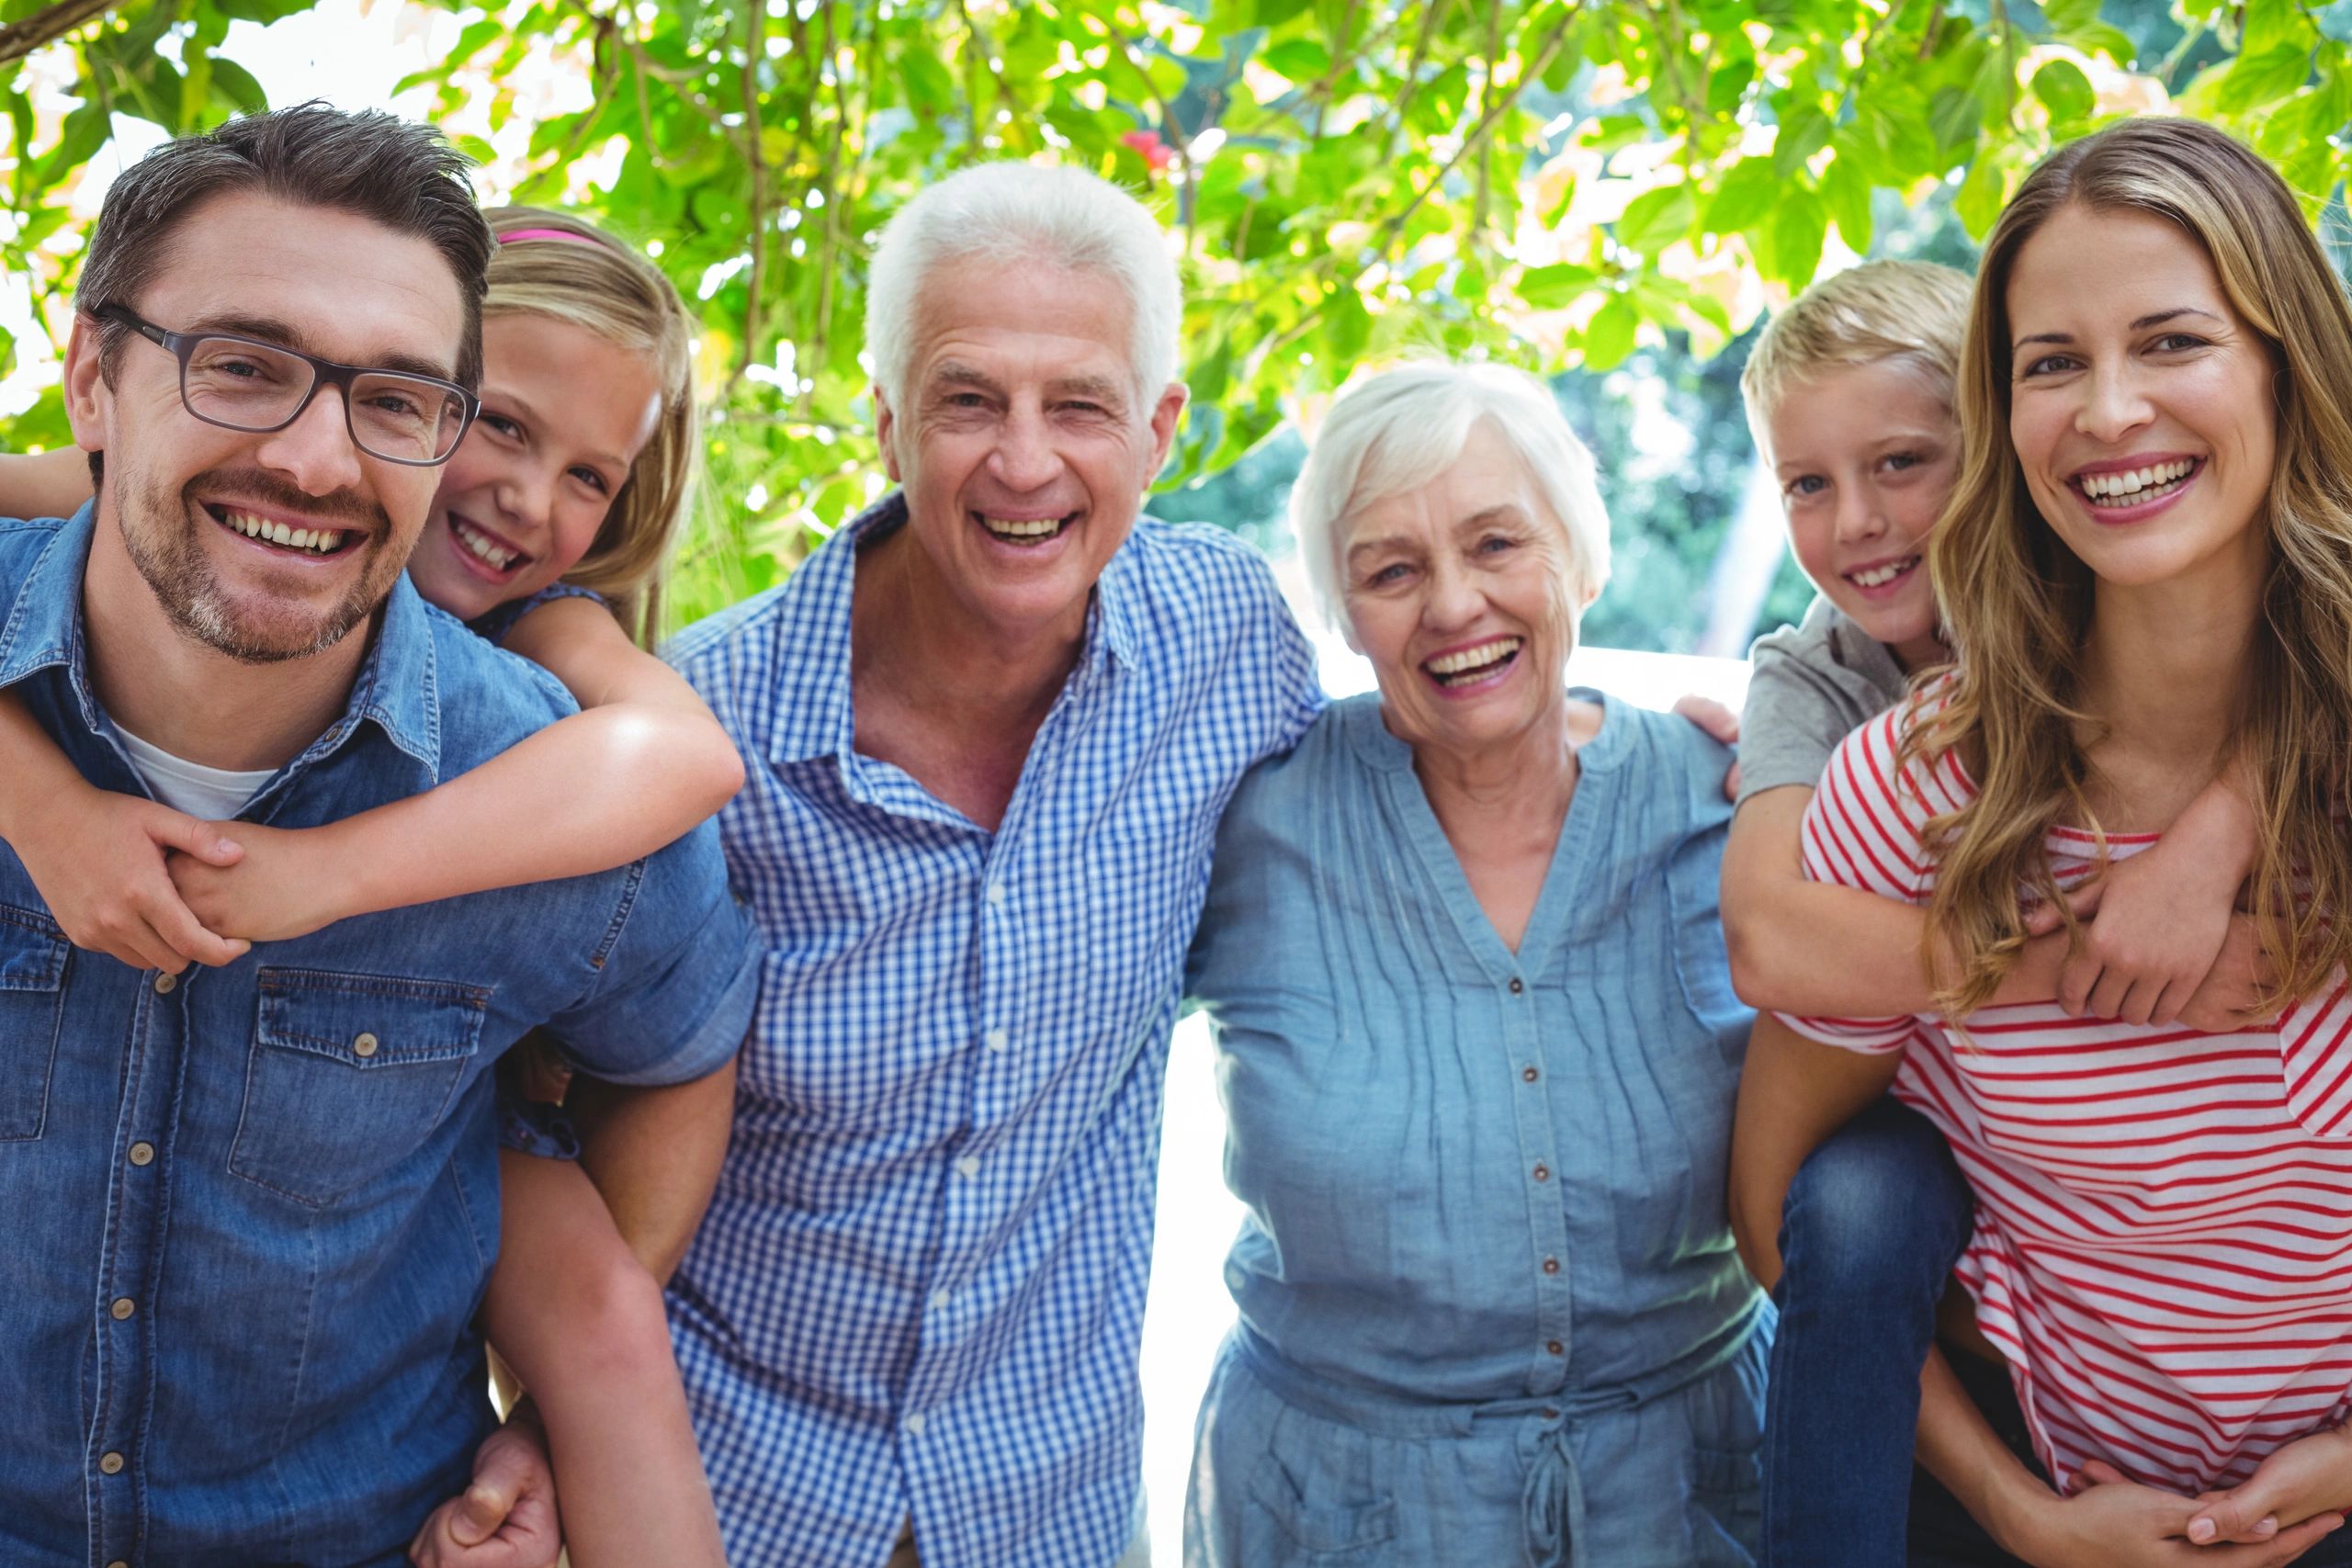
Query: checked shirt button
(915,1424)
(969,1165)
(998,1040)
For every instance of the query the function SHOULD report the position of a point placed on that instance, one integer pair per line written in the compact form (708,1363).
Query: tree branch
(755,14)
(20,39)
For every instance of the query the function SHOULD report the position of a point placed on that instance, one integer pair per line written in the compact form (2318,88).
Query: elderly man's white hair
(1030,214)
(1397,430)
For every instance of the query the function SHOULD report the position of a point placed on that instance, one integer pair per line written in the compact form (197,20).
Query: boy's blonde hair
(603,287)
(1910,312)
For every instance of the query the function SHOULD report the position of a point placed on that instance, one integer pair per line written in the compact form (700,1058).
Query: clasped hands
(2291,1501)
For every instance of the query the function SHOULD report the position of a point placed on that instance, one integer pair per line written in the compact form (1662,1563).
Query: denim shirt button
(118,1563)
(363,1046)
(111,1463)
(142,1154)
(123,1307)
(164,983)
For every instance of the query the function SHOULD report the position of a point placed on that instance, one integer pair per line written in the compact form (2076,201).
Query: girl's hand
(287,886)
(2309,1478)
(98,858)
(2114,1523)
(2157,934)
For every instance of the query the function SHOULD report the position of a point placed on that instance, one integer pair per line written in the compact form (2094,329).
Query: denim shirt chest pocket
(348,1074)
(32,1001)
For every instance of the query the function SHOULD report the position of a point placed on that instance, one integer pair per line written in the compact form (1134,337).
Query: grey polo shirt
(1809,687)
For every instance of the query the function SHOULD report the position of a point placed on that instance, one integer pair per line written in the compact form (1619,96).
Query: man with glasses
(252,1209)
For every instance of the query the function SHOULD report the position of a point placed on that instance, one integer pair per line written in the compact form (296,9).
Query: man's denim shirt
(251,1210)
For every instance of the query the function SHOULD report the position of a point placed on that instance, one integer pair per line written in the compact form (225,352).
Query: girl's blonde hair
(2017,601)
(603,285)
(1910,313)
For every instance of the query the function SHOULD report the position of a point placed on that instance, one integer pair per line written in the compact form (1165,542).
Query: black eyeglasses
(242,383)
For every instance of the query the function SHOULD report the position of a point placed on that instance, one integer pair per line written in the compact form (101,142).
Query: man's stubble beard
(162,543)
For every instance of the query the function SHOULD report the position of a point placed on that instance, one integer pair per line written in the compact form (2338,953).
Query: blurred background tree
(1607,191)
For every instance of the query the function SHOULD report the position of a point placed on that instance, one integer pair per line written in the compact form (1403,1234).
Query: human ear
(886,423)
(88,399)
(1164,415)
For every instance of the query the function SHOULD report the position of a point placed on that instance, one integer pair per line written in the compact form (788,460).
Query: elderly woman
(1479,1047)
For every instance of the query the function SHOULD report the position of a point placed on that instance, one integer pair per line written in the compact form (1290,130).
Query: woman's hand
(2114,1523)
(2237,991)
(2310,1478)
(99,860)
(290,883)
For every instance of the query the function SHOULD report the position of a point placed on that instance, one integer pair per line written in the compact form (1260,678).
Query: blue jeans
(1871,1227)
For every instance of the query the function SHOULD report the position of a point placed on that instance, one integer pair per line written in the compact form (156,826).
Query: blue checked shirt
(920,1285)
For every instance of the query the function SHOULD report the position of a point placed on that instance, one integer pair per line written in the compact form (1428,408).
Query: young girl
(1850,393)
(2146,574)
(547,534)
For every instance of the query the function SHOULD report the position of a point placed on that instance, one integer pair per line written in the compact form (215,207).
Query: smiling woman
(2146,574)
(1477,1045)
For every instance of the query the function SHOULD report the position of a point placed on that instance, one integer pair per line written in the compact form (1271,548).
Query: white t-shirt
(213,793)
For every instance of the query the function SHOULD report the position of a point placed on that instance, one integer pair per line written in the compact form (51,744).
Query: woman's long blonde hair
(2017,601)
(603,285)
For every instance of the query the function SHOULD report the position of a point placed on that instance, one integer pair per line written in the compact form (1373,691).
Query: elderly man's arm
(655,1154)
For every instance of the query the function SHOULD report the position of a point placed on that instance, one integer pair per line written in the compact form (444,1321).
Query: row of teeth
(1473,658)
(495,554)
(1021,527)
(324,541)
(1879,576)
(2164,476)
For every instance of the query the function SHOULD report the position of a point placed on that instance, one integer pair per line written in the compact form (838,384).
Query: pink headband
(512,235)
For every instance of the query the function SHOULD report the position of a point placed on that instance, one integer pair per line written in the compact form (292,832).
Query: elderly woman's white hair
(1030,214)
(1400,428)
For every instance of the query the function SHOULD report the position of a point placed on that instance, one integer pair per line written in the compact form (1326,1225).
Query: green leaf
(1805,130)
(2262,78)
(1981,196)
(2102,38)
(1300,59)
(2066,16)
(1556,286)
(1656,218)
(234,82)
(1954,118)
(1794,241)
(1848,197)
(1743,197)
(1609,336)
(1274,13)
(2064,91)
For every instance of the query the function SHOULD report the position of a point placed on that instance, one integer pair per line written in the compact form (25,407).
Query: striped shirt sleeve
(1863,830)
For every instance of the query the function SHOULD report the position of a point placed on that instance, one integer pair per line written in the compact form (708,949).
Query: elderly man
(252,1209)
(990,727)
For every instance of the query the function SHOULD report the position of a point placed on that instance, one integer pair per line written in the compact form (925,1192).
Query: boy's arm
(44,484)
(1814,948)
(2164,914)
(98,858)
(641,764)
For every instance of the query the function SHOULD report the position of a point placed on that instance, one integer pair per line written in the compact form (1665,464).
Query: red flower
(1155,152)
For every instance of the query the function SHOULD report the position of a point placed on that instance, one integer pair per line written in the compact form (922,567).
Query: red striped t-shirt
(2164,1218)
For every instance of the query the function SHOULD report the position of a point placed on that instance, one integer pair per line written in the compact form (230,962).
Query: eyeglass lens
(248,386)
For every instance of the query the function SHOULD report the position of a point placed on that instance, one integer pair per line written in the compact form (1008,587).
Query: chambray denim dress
(1489,1309)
